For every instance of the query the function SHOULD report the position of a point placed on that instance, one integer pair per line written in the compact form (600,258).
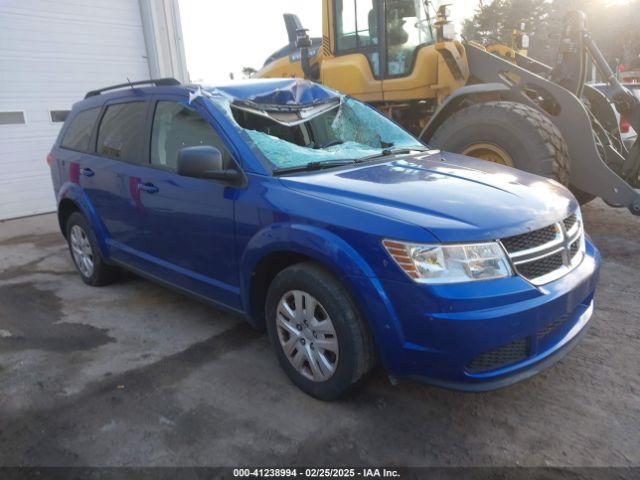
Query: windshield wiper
(387,152)
(329,144)
(311,166)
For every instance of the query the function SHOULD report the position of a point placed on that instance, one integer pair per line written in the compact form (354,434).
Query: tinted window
(176,126)
(79,132)
(121,134)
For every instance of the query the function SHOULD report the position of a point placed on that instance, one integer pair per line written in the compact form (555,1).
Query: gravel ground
(137,375)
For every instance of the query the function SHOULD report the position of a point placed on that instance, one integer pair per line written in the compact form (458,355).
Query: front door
(188,222)
(409,72)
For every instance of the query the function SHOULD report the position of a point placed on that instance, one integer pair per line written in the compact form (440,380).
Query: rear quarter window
(121,133)
(78,135)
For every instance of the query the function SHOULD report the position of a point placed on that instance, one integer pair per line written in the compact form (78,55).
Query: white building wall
(51,54)
(163,35)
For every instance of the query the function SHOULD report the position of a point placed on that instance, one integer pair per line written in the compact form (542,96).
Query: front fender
(73,192)
(343,261)
(314,242)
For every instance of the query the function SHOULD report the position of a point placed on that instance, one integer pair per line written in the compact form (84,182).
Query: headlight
(435,264)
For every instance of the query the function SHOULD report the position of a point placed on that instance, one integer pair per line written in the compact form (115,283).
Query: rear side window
(121,134)
(78,134)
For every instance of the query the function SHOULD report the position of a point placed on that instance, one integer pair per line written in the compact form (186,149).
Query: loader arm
(589,172)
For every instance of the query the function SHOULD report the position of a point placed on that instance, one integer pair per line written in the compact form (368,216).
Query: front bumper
(486,335)
(518,372)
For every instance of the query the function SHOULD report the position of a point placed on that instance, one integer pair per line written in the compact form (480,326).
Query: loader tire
(510,133)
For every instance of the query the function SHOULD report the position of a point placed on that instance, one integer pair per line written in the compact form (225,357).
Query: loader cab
(390,50)
(393,54)
(370,49)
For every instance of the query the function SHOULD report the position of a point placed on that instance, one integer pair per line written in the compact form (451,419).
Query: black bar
(157,82)
(324,473)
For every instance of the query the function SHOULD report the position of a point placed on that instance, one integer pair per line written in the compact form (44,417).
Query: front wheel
(508,133)
(316,330)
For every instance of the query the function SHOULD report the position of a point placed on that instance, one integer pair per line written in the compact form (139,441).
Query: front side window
(350,131)
(121,133)
(78,135)
(407,29)
(357,29)
(176,126)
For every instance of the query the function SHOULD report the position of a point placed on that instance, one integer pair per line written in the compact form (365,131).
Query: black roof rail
(157,82)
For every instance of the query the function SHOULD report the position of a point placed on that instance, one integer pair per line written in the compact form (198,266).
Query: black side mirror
(194,161)
(204,162)
(303,42)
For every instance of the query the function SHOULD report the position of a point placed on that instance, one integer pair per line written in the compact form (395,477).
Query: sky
(223,36)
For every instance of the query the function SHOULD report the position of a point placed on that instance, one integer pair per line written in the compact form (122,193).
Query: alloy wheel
(81,250)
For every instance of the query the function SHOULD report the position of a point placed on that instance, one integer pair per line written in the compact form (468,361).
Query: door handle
(148,187)
(87,172)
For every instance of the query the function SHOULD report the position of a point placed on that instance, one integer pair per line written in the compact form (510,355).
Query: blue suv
(321,220)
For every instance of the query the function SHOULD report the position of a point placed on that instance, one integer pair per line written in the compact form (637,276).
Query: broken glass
(349,131)
(300,122)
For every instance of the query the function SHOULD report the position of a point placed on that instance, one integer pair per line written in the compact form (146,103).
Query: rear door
(74,152)
(188,222)
(110,180)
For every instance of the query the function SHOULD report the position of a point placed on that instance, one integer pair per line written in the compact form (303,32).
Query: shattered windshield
(348,131)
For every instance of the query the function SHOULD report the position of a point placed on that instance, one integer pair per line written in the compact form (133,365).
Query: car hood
(456,198)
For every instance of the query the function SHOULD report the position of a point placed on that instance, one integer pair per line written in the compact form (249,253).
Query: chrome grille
(533,239)
(575,248)
(541,267)
(549,253)
(570,221)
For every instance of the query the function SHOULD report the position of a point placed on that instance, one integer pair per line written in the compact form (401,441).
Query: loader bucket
(590,172)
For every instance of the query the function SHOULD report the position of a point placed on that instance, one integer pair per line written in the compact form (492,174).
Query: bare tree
(248,72)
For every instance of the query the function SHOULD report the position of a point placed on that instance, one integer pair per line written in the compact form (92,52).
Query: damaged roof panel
(278,92)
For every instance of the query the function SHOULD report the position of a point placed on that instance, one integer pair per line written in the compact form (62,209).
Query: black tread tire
(103,274)
(534,143)
(357,350)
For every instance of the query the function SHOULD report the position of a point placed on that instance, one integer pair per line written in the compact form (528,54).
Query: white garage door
(51,54)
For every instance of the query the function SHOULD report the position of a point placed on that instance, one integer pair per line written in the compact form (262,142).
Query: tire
(530,139)
(80,236)
(354,357)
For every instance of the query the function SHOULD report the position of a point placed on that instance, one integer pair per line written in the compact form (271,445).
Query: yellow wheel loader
(400,56)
